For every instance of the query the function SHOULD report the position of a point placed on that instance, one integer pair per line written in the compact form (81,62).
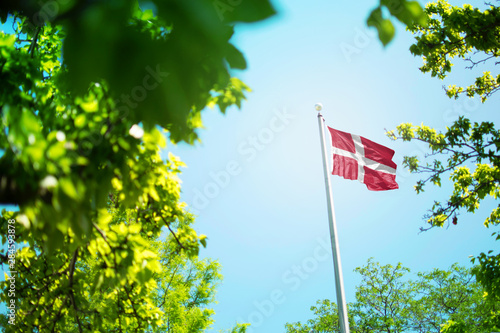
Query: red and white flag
(355,157)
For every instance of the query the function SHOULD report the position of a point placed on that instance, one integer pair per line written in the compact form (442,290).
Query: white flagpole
(339,282)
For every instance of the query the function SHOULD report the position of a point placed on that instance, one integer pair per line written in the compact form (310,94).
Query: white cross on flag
(355,157)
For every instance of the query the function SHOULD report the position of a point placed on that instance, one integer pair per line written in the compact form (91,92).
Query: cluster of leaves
(90,92)
(326,319)
(472,162)
(469,154)
(464,32)
(387,300)
(407,12)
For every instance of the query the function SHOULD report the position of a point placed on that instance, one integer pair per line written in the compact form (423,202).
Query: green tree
(90,92)
(382,299)
(451,295)
(467,153)
(388,300)
(326,319)
(112,285)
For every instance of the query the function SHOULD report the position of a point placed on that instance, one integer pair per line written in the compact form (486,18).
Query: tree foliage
(90,93)
(388,300)
(326,319)
(383,298)
(123,281)
(471,163)
(466,33)
(467,152)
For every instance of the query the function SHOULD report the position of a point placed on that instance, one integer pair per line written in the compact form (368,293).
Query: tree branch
(173,234)
(34,41)
(71,294)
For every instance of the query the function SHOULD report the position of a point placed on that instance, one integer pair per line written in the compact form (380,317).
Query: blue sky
(256,180)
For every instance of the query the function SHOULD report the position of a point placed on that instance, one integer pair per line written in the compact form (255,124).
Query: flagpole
(339,283)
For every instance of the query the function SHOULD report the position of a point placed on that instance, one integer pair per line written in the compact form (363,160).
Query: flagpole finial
(318,107)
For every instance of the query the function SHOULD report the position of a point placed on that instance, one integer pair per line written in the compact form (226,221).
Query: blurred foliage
(90,93)
(388,300)
(467,153)
(407,12)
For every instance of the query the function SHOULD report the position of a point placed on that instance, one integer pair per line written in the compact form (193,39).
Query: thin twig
(173,234)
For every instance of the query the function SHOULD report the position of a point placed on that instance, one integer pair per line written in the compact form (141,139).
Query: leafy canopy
(388,300)
(466,33)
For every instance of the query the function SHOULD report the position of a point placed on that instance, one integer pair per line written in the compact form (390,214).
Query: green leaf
(147,15)
(80,120)
(3,16)
(203,240)
(56,151)
(384,27)
(386,31)
(123,143)
(7,40)
(66,184)
(235,58)
(416,12)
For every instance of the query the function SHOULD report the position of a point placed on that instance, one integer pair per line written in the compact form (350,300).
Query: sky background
(256,182)
(256,179)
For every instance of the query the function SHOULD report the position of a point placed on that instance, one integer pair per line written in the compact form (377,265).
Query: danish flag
(355,157)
